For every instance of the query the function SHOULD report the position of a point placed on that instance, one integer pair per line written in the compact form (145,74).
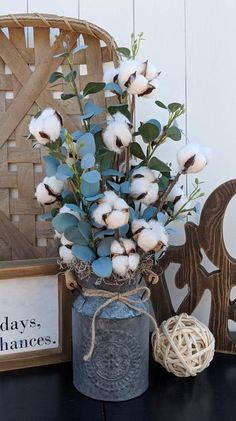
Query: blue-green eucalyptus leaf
(102,267)
(84,253)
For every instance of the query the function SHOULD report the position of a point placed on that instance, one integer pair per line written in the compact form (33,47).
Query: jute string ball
(184,345)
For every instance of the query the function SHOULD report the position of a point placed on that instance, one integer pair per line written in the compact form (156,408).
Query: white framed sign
(35,314)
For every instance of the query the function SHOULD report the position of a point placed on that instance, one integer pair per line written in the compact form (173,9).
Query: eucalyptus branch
(76,92)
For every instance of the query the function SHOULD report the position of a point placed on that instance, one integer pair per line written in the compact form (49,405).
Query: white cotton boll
(109,197)
(121,118)
(117,136)
(55,185)
(116,248)
(138,85)
(152,194)
(35,127)
(137,224)
(200,162)
(185,153)
(66,209)
(120,204)
(134,260)
(65,242)
(42,195)
(128,244)
(150,71)
(46,127)
(174,193)
(117,219)
(153,84)
(126,69)
(120,265)
(147,240)
(110,75)
(101,210)
(159,231)
(144,172)
(207,152)
(139,188)
(66,255)
(52,125)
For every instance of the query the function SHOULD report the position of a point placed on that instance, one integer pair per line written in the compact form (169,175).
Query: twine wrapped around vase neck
(125,298)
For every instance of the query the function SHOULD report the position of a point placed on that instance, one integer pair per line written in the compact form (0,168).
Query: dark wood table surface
(47,394)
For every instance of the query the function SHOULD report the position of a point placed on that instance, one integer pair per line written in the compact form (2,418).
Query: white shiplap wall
(193,44)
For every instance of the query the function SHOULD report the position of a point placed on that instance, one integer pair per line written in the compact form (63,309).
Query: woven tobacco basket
(27,47)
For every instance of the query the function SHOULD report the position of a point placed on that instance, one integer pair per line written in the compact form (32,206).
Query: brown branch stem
(164,196)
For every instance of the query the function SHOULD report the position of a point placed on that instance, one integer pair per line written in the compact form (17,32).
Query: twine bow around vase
(124,298)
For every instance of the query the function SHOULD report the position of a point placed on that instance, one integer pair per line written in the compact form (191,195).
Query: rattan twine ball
(183,345)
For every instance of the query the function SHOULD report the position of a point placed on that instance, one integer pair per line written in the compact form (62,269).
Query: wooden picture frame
(31,270)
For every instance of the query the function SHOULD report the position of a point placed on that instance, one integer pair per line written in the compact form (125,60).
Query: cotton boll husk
(116,248)
(42,195)
(152,194)
(55,185)
(126,69)
(174,193)
(138,187)
(159,231)
(109,75)
(138,85)
(144,172)
(101,210)
(134,260)
(147,239)
(66,254)
(117,136)
(66,209)
(137,224)
(128,244)
(65,242)
(120,265)
(120,204)
(117,219)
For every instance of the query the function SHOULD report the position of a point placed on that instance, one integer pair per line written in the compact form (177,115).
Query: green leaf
(174,106)
(150,130)
(160,104)
(158,165)
(164,183)
(124,51)
(67,96)
(136,150)
(122,108)
(71,76)
(93,88)
(174,133)
(54,76)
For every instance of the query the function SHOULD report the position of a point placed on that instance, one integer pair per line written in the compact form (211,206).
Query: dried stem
(163,198)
